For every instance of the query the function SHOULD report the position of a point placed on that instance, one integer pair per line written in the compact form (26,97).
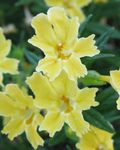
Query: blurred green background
(102,20)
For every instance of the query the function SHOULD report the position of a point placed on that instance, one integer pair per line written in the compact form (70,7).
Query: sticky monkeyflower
(96,139)
(63,101)
(7,65)
(73,7)
(56,35)
(114,80)
(22,113)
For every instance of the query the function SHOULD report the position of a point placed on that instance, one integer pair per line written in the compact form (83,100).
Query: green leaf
(92,78)
(32,58)
(84,24)
(102,40)
(99,28)
(95,118)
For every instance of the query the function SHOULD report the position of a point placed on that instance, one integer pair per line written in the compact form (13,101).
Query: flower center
(62,54)
(67,105)
(101,147)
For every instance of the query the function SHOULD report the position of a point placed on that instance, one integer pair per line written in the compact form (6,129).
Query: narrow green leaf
(95,118)
(32,58)
(92,78)
(84,24)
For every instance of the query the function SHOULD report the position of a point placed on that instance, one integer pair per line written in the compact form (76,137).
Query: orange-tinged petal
(53,122)
(86,47)
(14,128)
(77,123)
(74,68)
(33,137)
(41,87)
(50,66)
(86,98)
(7,106)
(9,65)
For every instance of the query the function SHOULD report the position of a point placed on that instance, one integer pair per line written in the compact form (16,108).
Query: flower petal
(21,100)
(86,47)
(1,79)
(7,106)
(41,87)
(9,65)
(75,11)
(86,98)
(44,41)
(5,45)
(74,68)
(77,123)
(64,86)
(83,3)
(54,2)
(33,137)
(14,128)
(60,24)
(50,66)
(115,80)
(52,122)
(118,103)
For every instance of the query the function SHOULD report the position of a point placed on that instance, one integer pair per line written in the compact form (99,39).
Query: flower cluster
(54,84)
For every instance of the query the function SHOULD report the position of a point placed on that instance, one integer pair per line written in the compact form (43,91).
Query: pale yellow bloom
(114,80)
(23,115)
(7,65)
(56,35)
(63,101)
(100,1)
(73,7)
(96,139)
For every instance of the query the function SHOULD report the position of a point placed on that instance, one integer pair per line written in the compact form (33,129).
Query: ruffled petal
(14,128)
(77,123)
(7,106)
(86,47)
(60,24)
(86,98)
(5,45)
(41,87)
(33,137)
(50,66)
(52,122)
(45,38)
(9,65)
(22,100)
(74,68)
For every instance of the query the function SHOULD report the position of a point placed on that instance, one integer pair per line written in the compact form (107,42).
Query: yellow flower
(63,101)
(100,1)
(114,80)
(23,115)
(7,65)
(73,7)
(57,38)
(96,139)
